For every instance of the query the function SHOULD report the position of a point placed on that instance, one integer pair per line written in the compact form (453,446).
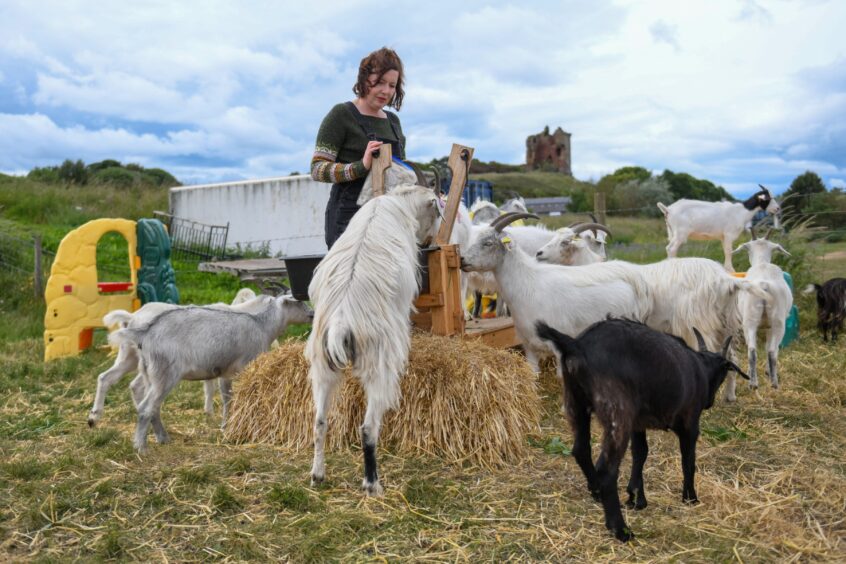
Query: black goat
(831,306)
(634,378)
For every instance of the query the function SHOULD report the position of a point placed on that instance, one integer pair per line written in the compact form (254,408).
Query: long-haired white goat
(363,293)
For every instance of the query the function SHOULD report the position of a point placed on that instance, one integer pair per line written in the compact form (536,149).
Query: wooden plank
(380,164)
(429,300)
(498,332)
(422,320)
(459,163)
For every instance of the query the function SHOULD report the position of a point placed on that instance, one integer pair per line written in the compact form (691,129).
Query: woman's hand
(367,159)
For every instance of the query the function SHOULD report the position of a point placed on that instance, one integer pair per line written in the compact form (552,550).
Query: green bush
(161,177)
(48,174)
(73,172)
(108,163)
(638,197)
(115,176)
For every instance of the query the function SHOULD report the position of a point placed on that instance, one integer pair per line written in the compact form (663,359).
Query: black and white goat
(633,378)
(695,219)
(831,306)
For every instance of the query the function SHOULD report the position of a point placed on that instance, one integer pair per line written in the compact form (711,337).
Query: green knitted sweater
(341,143)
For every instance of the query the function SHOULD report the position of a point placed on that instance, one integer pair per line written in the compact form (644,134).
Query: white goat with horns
(694,219)
(363,293)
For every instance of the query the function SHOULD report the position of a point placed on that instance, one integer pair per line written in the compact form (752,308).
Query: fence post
(39,290)
(599,207)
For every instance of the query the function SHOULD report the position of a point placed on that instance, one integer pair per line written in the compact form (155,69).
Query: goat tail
(663,209)
(117,317)
(811,288)
(339,346)
(758,288)
(567,347)
(126,335)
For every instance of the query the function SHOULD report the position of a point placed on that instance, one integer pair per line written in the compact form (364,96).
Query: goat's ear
(740,248)
(782,249)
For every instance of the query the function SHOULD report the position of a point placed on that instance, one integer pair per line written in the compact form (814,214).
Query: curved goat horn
(700,340)
(421,178)
(437,187)
(727,346)
(592,217)
(581,227)
(767,234)
(499,223)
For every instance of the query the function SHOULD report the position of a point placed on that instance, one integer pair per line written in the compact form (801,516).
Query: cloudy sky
(736,91)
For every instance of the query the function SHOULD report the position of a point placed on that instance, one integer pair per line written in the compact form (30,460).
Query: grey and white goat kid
(634,378)
(755,311)
(127,355)
(363,292)
(200,343)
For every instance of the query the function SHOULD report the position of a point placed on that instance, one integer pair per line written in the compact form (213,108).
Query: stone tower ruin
(546,151)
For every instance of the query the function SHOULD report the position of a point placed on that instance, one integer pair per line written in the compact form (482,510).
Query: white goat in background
(363,293)
(576,245)
(754,310)
(483,212)
(695,219)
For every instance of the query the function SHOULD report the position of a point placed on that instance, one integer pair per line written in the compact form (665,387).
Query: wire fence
(25,256)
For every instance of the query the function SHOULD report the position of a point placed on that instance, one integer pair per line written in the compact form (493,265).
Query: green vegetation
(68,492)
(108,172)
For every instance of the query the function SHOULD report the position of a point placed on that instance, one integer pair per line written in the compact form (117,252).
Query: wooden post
(38,283)
(599,207)
(377,169)
(459,163)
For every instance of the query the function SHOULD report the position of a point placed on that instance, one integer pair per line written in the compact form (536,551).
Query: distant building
(546,151)
(548,206)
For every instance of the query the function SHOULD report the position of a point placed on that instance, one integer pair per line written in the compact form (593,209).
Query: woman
(351,131)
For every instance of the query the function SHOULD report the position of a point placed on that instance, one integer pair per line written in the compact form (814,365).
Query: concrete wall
(286,212)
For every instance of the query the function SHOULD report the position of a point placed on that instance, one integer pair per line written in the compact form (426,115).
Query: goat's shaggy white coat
(363,292)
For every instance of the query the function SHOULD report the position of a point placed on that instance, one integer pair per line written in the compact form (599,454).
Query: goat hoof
(163,440)
(624,535)
(373,490)
(92,422)
(317,480)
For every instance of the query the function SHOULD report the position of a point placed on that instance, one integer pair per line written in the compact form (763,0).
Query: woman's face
(382,89)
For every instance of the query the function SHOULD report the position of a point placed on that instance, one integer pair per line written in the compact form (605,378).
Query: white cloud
(748,91)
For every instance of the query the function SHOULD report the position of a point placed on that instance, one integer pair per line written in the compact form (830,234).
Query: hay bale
(461,401)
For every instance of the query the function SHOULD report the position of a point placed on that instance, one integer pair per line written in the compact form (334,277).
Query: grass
(770,470)
(771,478)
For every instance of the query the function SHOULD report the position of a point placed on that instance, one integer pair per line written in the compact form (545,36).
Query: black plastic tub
(301,270)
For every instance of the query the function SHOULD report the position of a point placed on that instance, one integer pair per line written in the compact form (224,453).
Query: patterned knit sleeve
(330,138)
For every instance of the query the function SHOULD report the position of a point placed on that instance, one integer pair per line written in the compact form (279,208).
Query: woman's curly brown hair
(380,62)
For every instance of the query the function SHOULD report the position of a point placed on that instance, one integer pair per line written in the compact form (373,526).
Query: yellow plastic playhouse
(76,301)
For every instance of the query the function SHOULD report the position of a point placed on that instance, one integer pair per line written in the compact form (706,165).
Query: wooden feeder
(440,305)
